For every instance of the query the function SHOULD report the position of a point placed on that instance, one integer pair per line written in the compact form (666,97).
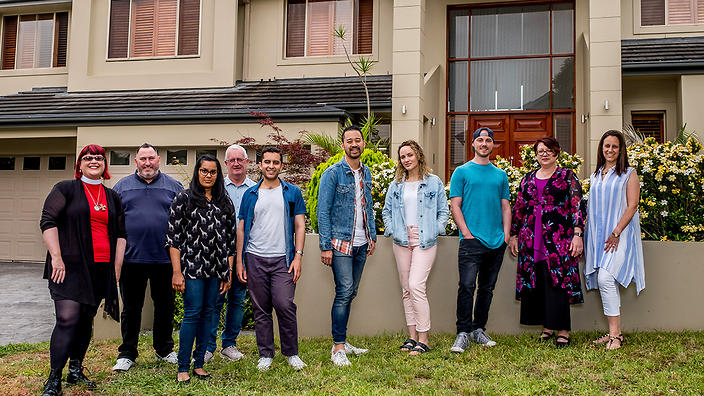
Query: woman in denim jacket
(415,213)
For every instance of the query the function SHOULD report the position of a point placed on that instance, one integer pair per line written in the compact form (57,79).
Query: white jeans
(610,298)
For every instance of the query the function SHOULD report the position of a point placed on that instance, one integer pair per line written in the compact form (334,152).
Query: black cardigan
(67,209)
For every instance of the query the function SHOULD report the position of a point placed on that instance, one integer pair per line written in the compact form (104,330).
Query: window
(177,157)
(119,157)
(153,28)
(31,163)
(213,152)
(7,163)
(57,163)
(34,41)
(310,25)
(671,12)
(650,125)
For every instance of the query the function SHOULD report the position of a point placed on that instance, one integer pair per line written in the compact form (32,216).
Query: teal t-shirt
(481,187)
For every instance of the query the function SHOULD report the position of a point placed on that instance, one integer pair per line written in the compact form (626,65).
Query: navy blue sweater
(147,216)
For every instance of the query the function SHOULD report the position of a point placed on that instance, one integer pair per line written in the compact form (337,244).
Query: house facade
(185,74)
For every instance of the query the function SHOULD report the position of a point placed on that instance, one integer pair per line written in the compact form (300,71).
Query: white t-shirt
(410,202)
(360,235)
(267,237)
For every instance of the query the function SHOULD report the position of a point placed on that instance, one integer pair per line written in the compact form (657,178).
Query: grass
(649,364)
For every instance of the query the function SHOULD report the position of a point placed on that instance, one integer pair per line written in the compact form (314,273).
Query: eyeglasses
(92,157)
(545,152)
(240,160)
(204,172)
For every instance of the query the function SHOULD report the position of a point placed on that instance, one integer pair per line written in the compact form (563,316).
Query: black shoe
(52,386)
(75,374)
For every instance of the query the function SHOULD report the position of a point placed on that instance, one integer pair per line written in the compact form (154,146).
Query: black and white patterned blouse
(205,235)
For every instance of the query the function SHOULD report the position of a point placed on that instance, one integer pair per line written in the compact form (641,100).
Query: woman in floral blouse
(546,235)
(201,243)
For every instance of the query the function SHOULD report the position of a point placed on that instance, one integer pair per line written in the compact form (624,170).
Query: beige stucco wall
(652,94)
(14,81)
(89,69)
(691,99)
(12,138)
(264,56)
(631,29)
(672,284)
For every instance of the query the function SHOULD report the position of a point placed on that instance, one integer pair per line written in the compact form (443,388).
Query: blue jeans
(233,316)
(347,271)
(198,306)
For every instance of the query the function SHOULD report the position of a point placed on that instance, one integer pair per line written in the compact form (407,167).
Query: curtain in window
(45,40)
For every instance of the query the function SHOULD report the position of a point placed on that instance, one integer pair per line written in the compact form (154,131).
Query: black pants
(545,305)
(72,332)
(477,264)
(133,285)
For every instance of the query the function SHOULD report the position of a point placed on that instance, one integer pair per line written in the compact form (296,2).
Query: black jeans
(133,285)
(476,261)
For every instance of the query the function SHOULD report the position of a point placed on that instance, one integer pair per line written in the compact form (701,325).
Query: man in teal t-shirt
(479,200)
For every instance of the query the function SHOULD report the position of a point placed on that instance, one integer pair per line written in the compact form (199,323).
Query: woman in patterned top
(201,242)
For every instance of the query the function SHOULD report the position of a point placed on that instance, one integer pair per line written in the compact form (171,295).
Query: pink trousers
(414,265)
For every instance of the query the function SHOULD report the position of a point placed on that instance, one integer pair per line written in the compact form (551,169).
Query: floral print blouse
(562,211)
(205,235)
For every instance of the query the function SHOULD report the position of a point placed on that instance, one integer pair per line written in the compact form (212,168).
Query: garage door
(25,182)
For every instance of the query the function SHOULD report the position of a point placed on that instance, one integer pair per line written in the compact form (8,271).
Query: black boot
(52,386)
(75,374)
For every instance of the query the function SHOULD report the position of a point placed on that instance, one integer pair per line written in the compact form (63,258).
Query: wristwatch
(299,252)
(615,235)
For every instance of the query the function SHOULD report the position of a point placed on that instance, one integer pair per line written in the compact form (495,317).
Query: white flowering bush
(672,189)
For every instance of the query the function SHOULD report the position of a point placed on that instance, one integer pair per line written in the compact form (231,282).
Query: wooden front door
(511,131)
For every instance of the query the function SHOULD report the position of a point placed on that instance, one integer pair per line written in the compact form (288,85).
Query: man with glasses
(479,201)
(236,183)
(146,196)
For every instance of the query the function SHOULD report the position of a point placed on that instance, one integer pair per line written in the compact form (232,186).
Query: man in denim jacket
(347,233)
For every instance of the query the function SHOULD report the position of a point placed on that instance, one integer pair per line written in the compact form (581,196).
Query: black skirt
(101,281)
(545,305)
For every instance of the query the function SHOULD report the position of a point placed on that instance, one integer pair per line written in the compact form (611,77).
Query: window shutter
(189,19)
(680,12)
(9,42)
(119,28)
(650,125)
(165,28)
(143,20)
(295,28)
(45,40)
(700,11)
(60,39)
(320,29)
(343,12)
(26,41)
(364,27)
(652,12)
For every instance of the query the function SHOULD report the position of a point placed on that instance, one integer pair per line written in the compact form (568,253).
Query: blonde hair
(423,170)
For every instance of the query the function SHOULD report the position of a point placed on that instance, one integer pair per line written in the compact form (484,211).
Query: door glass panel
(214,153)
(119,157)
(563,83)
(7,163)
(562,28)
(31,163)
(513,84)
(562,130)
(510,31)
(459,35)
(176,157)
(57,163)
(457,95)
(458,128)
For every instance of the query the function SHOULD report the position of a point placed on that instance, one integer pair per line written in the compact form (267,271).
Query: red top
(95,194)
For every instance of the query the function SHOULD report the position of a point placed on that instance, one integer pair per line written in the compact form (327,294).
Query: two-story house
(182,74)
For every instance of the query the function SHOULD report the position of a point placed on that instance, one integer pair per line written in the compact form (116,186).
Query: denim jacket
(293,205)
(433,212)
(336,204)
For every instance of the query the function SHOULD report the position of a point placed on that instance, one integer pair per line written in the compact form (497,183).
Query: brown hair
(423,169)
(550,142)
(621,161)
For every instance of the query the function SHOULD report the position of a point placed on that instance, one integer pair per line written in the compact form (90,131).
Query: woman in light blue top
(415,213)
(614,251)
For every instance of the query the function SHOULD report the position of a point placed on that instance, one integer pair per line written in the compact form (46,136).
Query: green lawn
(648,364)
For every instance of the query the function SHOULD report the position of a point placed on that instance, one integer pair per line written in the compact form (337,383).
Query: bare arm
(239,263)
(178,283)
(299,224)
(632,200)
(51,240)
(456,209)
(119,256)
(506,216)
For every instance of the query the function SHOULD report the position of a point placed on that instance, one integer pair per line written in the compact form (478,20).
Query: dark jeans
(233,316)
(272,286)
(133,285)
(476,262)
(198,306)
(347,271)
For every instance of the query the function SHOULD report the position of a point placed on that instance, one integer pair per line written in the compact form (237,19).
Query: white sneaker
(123,364)
(296,362)
(265,363)
(207,357)
(231,353)
(339,358)
(349,348)
(172,358)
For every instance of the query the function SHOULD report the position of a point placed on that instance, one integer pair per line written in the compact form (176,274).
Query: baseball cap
(484,131)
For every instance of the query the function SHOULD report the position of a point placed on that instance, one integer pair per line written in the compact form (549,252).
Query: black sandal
(420,348)
(618,338)
(408,345)
(562,344)
(546,336)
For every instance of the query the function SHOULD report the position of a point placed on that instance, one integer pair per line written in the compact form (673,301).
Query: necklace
(97,206)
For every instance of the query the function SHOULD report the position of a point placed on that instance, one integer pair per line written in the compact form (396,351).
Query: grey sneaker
(231,353)
(480,337)
(339,358)
(264,363)
(172,358)
(123,364)
(207,357)
(296,362)
(349,348)
(461,343)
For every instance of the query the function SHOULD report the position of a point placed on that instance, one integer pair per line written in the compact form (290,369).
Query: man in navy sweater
(146,196)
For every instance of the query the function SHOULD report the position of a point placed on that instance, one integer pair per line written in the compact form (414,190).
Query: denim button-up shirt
(433,212)
(336,204)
